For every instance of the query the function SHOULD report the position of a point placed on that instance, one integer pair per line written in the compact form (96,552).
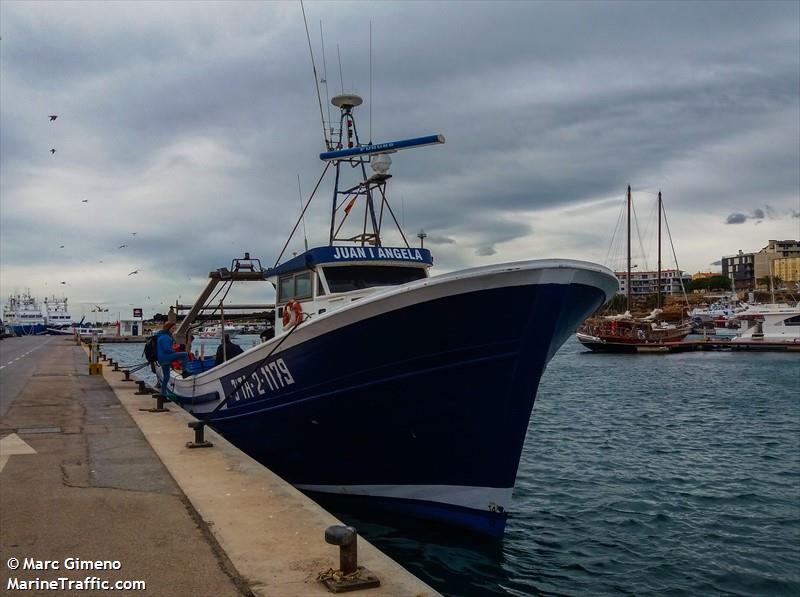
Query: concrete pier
(86,474)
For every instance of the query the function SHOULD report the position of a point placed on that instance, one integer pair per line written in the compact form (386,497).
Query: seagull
(85,201)
(133,234)
(61,247)
(122,246)
(63,282)
(136,271)
(53,117)
(53,151)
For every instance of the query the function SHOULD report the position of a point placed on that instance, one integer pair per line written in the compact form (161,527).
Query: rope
(338,575)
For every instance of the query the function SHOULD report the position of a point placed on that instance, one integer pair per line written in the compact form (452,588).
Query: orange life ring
(292,314)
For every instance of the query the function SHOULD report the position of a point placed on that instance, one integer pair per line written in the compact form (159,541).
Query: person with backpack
(165,353)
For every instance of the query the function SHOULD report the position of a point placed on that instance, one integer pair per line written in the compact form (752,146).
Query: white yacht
(778,322)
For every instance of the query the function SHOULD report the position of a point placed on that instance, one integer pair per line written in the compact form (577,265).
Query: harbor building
(787,269)
(775,249)
(702,275)
(741,269)
(747,268)
(644,283)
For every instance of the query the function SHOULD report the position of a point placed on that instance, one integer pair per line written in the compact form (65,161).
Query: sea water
(656,474)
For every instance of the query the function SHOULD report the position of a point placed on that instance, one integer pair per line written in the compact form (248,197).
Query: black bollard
(347,540)
(116,366)
(127,373)
(353,577)
(143,389)
(160,408)
(199,440)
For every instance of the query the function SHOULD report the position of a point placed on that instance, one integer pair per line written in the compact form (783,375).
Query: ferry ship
(22,315)
(57,316)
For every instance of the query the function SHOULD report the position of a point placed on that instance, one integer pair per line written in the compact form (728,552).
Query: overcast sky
(189,123)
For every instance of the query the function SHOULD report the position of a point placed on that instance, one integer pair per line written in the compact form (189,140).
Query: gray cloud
(440,240)
(191,126)
(758,215)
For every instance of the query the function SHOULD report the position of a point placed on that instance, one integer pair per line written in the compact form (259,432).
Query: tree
(765,281)
(710,283)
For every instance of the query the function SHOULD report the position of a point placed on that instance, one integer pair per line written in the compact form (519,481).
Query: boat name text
(377,253)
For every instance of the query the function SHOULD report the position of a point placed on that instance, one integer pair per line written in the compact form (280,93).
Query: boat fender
(292,314)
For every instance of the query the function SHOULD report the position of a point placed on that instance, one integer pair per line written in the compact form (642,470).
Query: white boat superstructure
(57,312)
(23,314)
(778,322)
(214,331)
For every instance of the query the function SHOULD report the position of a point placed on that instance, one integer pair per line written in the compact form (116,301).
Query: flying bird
(53,151)
(63,282)
(61,246)
(133,233)
(122,246)
(85,201)
(136,271)
(53,117)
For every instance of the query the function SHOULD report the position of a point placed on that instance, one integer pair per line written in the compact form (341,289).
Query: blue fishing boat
(378,384)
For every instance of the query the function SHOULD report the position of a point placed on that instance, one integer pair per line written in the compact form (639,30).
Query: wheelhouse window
(294,286)
(792,320)
(357,277)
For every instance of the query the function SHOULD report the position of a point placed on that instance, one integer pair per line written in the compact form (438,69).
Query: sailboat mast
(659,250)
(629,250)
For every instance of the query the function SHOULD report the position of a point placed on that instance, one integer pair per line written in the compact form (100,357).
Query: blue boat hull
(428,395)
(30,329)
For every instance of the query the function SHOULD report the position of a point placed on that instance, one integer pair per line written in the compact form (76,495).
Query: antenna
(325,79)
(302,212)
(316,78)
(341,78)
(370,82)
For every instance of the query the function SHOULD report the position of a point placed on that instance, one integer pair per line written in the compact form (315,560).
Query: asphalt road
(79,480)
(17,364)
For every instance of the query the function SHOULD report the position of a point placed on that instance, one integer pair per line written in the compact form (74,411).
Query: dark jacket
(231,351)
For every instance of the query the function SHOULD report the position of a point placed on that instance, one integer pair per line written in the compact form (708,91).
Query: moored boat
(376,384)
(626,333)
(57,318)
(779,322)
(22,315)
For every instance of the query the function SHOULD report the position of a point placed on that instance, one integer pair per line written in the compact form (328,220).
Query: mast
(659,250)
(348,150)
(629,249)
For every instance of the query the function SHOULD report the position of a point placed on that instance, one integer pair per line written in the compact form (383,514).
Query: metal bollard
(199,440)
(160,408)
(347,540)
(127,373)
(116,366)
(353,577)
(143,389)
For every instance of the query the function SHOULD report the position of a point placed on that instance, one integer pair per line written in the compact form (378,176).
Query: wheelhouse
(327,278)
